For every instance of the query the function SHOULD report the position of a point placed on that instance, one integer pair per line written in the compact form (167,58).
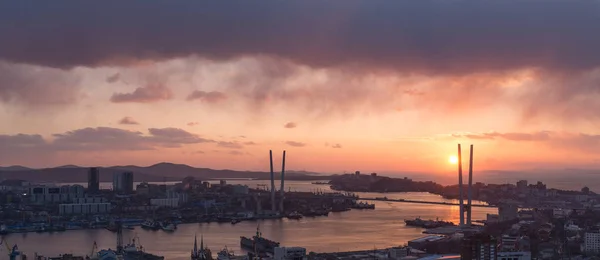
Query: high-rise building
(591,242)
(522,186)
(123,182)
(93,180)
(479,247)
(508,211)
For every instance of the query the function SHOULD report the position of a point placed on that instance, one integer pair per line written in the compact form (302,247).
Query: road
(427,202)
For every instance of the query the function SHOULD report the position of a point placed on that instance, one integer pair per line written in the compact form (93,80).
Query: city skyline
(355,86)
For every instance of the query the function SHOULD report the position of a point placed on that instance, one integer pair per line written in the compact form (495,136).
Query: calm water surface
(351,230)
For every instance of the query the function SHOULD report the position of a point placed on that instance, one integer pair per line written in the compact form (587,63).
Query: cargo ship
(418,222)
(258,243)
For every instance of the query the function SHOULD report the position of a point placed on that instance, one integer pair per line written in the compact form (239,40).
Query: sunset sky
(341,85)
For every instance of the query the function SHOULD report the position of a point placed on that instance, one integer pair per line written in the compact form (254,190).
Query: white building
(398,252)
(591,242)
(509,243)
(290,253)
(55,194)
(560,213)
(166,202)
(514,256)
(88,200)
(84,209)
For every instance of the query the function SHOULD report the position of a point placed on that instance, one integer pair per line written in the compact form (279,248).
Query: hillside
(157,172)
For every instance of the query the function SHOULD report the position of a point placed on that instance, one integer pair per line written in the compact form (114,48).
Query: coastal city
(532,221)
(300,130)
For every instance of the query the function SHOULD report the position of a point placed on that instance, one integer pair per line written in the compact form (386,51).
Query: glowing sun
(453,159)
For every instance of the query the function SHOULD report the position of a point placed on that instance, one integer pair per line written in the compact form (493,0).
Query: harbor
(376,226)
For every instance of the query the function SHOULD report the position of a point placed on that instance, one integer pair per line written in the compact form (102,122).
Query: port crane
(12,252)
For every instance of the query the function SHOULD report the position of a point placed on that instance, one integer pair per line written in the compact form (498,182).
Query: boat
(4,230)
(107,254)
(339,208)
(60,228)
(294,215)
(363,205)
(131,251)
(258,243)
(418,222)
(40,229)
(150,224)
(223,219)
(112,227)
(168,227)
(235,221)
(129,227)
(225,254)
(202,253)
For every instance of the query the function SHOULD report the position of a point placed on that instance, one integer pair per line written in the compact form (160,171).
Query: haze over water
(345,231)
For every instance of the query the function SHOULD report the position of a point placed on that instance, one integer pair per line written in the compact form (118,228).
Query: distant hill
(157,172)
(15,168)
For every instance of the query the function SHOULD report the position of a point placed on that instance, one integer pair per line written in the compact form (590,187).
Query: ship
(225,254)
(168,227)
(4,230)
(150,224)
(131,251)
(258,243)
(363,205)
(294,215)
(418,222)
(200,254)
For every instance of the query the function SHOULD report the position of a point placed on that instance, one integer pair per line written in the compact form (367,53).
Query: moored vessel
(150,224)
(202,253)
(418,222)
(258,243)
(225,254)
(294,215)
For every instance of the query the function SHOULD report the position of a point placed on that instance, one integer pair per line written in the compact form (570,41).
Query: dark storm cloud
(36,86)
(434,36)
